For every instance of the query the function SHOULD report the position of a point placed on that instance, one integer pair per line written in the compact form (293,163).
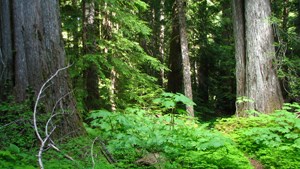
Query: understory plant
(272,139)
(175,141)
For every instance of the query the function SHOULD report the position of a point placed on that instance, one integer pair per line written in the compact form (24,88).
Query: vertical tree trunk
(262,83)
(6,55)
(107,27)
(175,60)
(187,82)
(156,47)
(113,79)
(203,79)
(161,47)
(255,59)
(92,101)
(204,61)
(240,53)
(39,53)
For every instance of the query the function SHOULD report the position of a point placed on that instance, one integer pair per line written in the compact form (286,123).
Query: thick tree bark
(175,60)
(6,55)
(187,82)
(255,59)
(38,53)
(240,53)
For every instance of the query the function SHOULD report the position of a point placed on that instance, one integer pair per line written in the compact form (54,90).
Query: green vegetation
(272,139)
(178,141)
(174,140)
(120,52)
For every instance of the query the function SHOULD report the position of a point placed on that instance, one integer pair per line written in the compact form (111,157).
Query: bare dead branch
(47,135)
(40,153)
(10,123)
(56,103)
(49,120)
(106,153)
(92,151)
(108,156)
(38,99)
(58,150)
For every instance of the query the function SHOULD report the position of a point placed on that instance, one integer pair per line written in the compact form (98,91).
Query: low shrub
(180,141)
(272,139)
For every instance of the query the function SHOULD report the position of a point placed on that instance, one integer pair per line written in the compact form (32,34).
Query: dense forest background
(150,84)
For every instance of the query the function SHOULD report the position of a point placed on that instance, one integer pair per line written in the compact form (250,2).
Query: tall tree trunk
(161,47)
(107,27)
(187,82)
(113,79)
(175,60)
(38,53)
(204,61)
(255,53)
(240,50)
(156,47)
(203,79)
(6,54)
(92,101)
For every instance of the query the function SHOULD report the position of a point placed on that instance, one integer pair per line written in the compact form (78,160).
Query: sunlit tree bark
(255,54)
(187,82)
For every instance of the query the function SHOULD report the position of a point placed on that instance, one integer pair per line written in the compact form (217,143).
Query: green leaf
(297,143)
(105,126)
(158,100)
(167,94)
(181,98)
(297,124)
(169,104)
(100,113)
(14,149)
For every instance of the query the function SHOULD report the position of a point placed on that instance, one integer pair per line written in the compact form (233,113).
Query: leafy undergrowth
(273,139)
(177,141)
(19,145)
(154,138)
(75,154)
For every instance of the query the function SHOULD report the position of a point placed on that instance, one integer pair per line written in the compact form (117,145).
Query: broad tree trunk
(38,53)
(187,82)
(255,53)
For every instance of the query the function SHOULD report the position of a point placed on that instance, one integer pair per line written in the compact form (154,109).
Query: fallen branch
(108,156)
(10,123)
(92,151)
(106,153)
(47,135)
